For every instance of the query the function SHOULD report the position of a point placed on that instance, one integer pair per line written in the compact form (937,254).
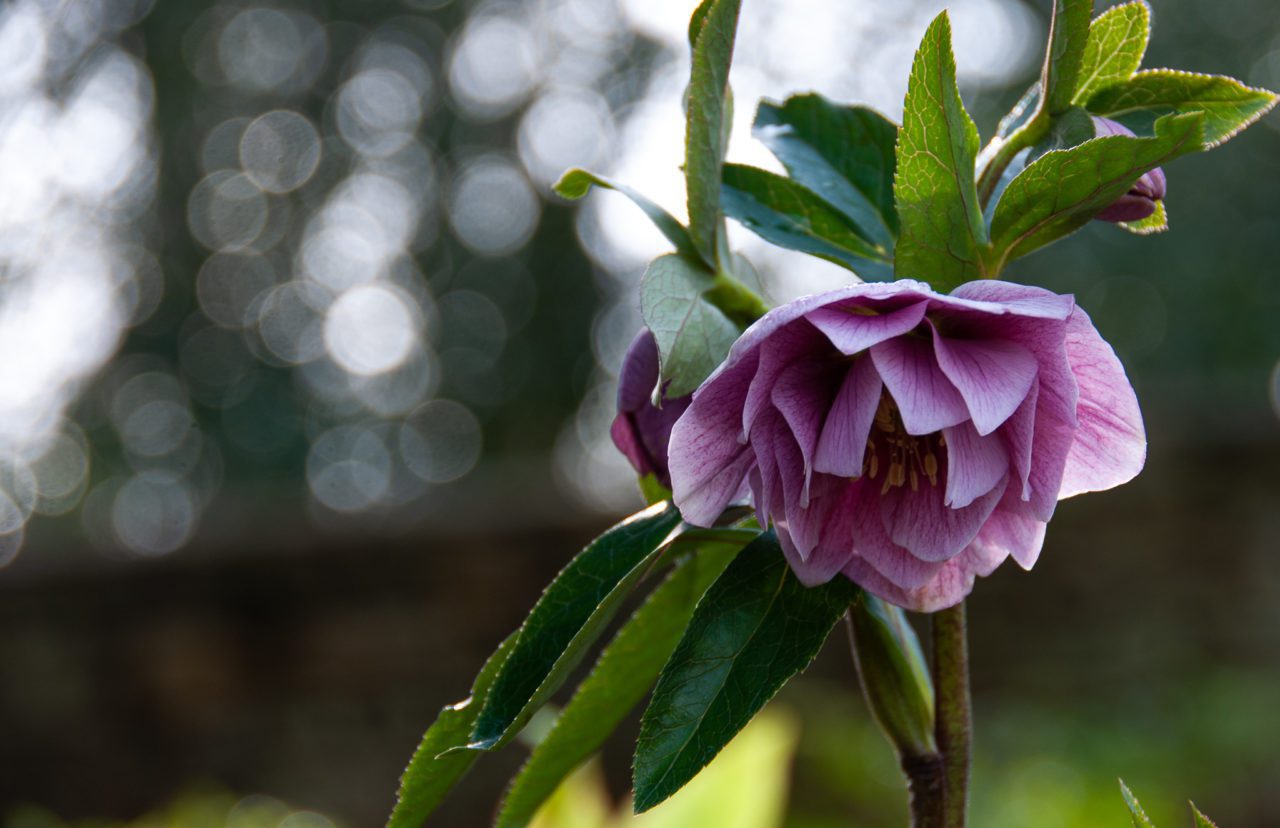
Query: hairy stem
(952,727)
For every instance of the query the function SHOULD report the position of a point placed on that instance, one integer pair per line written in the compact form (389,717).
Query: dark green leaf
(756,627)
(707,119)
(843,153)
(1228,105)
(430,775)
(696,20)
(937,202)
(568,617)
(782,212)
(623,674)
(575,183)
(1063,190)
(1140,818)
(1202,821)
(1117,41)
(1068,34)
(693,335)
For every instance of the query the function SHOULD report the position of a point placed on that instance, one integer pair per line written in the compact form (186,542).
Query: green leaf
(845,154)
(707,119)
(1228,105)
(693,335)
(1063,190)
(569,616)
(1117,41)
(1140,818)
(1068,34)
(1157,222)
(782,212)
(575,183)
(1070,129)
(937,202)
(1202,821)
(624,673)
(696,20)
(756,627)
(437,765)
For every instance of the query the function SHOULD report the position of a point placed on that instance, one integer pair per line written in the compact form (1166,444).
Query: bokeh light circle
(280,151)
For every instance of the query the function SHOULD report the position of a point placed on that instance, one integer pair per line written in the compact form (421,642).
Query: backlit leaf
(693,335)
(575,183)
(1117,41)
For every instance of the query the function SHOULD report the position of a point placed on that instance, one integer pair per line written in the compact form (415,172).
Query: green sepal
(895,679)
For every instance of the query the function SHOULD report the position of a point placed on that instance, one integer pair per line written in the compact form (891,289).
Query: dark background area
(270,580)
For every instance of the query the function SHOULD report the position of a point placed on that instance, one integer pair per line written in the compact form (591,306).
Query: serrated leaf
(696,20)
(623,674)
(845,154)
(707,118)
(1157,222)
(1070,129)
(437,765)
(937,202)
(575,184)
(781,211)
(569,616)
(1063,190)
(1068,34)
(1202,821)
(1140,818)
(693,335)
(1228,105)
(1114,50)
(756,627)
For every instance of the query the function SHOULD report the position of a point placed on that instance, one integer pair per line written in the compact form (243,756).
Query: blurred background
(306,382)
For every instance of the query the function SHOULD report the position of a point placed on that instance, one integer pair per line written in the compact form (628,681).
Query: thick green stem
(952,727)
(1023,137)
(738,301)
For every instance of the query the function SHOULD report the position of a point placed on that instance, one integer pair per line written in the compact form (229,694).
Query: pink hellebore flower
(1141,199)
(908,439)
(641,429)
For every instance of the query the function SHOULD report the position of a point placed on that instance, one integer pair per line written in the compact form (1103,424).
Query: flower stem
(952,727)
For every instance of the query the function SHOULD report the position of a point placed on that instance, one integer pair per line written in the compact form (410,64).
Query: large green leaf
(716,25)
(1228,105)
(1068,34)
(845,154)
(1140,818)
(1117,41)
(624,673)
(575,183)
(693,335)
(569,616)
(781,211)
(1061,191)
(756,627)
(937,202)
(437,765)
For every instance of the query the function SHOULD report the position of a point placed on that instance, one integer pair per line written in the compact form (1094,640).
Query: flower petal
(1110,444)
(639,373)
(852,330)
(926,399)
(1011,531)
(872,543)
(975,464)
(835,547)
(790,344)
(1019,433)
(927,527)
(1023,300)
(707,462)
(993,376)
(948,587)
(627,440)
(843,444)
(802,394)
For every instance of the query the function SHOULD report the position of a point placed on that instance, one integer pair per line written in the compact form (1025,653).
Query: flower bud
(1141,199)
(895,680)
(641,430)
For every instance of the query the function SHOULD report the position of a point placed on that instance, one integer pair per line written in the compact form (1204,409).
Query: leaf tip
(574,184)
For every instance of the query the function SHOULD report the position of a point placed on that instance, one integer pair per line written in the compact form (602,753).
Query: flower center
(904,458)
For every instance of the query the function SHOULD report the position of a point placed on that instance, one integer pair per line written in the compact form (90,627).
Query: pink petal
(993,376)
(1023,300)
(843,444)
(790,344)
(1019,432)
(926,399)
(948,587)
(855,329)
(628,442)
(835,547)
(975,464)
(802,394)
(1110,445)
(1053,438)
(1011,531)
(922,523)
(708,464)
(872,543)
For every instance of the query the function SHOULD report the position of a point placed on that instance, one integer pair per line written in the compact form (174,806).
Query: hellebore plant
(855,453)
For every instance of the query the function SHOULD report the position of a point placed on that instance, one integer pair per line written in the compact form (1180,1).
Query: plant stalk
(953,725)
